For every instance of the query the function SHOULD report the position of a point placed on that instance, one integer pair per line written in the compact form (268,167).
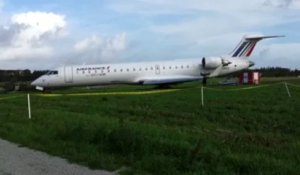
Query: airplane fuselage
(162,72)
(157,72)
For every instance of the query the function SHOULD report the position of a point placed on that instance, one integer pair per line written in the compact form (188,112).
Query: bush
(14,86)
(75,133)
(100,136)
(160,164)
(2,90)
(9,86)
(125,141)
(26,87)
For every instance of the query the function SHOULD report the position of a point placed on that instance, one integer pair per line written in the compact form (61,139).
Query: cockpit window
(54,72)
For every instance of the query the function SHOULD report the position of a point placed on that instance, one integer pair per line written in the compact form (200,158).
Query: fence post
(287,90)
(29,107)
(202,96)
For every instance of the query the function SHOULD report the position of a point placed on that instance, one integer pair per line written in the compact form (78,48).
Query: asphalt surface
(16,160)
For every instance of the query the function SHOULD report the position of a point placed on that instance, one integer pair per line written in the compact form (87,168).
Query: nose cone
(36,82)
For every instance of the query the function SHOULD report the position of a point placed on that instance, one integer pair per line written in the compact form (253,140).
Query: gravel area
(16,160)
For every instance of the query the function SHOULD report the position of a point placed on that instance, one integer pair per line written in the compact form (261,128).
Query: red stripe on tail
(251,50)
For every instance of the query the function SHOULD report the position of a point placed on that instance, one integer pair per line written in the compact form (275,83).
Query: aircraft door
(157,69)
(68,74)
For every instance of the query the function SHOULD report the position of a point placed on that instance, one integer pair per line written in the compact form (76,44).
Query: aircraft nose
(37,82)
(34,83)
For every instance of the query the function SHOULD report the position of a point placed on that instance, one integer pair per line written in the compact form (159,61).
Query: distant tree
(25,75)
(9,86)
(276,72)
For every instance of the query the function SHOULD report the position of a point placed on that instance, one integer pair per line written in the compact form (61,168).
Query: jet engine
(211,62)
(214,62)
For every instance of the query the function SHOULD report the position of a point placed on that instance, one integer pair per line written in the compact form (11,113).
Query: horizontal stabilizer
(262,37)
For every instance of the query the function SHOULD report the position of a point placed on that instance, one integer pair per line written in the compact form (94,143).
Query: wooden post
(287,90)
(29,107)
(202,96)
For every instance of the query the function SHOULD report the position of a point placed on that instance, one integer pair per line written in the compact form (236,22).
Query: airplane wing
(167,80)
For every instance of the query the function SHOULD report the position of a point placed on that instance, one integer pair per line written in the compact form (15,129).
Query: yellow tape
(49,95)
(147,92)
(111,93)
(248,88)
(290,84)
(11,97)
(238,89)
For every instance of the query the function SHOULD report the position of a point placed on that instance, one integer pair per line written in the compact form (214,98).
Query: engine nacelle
(211,62)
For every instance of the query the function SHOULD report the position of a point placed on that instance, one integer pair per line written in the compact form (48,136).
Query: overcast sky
(43,34)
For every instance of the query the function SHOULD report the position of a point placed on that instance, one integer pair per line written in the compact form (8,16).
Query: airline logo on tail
(244,49)
(247,45)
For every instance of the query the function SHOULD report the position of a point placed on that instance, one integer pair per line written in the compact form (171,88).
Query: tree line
(278,72)
(20,75)
(18,80)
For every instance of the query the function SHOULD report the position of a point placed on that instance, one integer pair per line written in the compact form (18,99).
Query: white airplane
(152,73)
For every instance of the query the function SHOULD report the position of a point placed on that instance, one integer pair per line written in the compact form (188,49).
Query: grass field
(240,130)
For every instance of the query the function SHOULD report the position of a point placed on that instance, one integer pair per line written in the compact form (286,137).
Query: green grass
(247,131)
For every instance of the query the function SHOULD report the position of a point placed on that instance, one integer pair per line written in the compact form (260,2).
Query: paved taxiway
(16,160)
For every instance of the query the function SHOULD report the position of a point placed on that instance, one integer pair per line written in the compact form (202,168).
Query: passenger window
(151,68)
(127,70)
